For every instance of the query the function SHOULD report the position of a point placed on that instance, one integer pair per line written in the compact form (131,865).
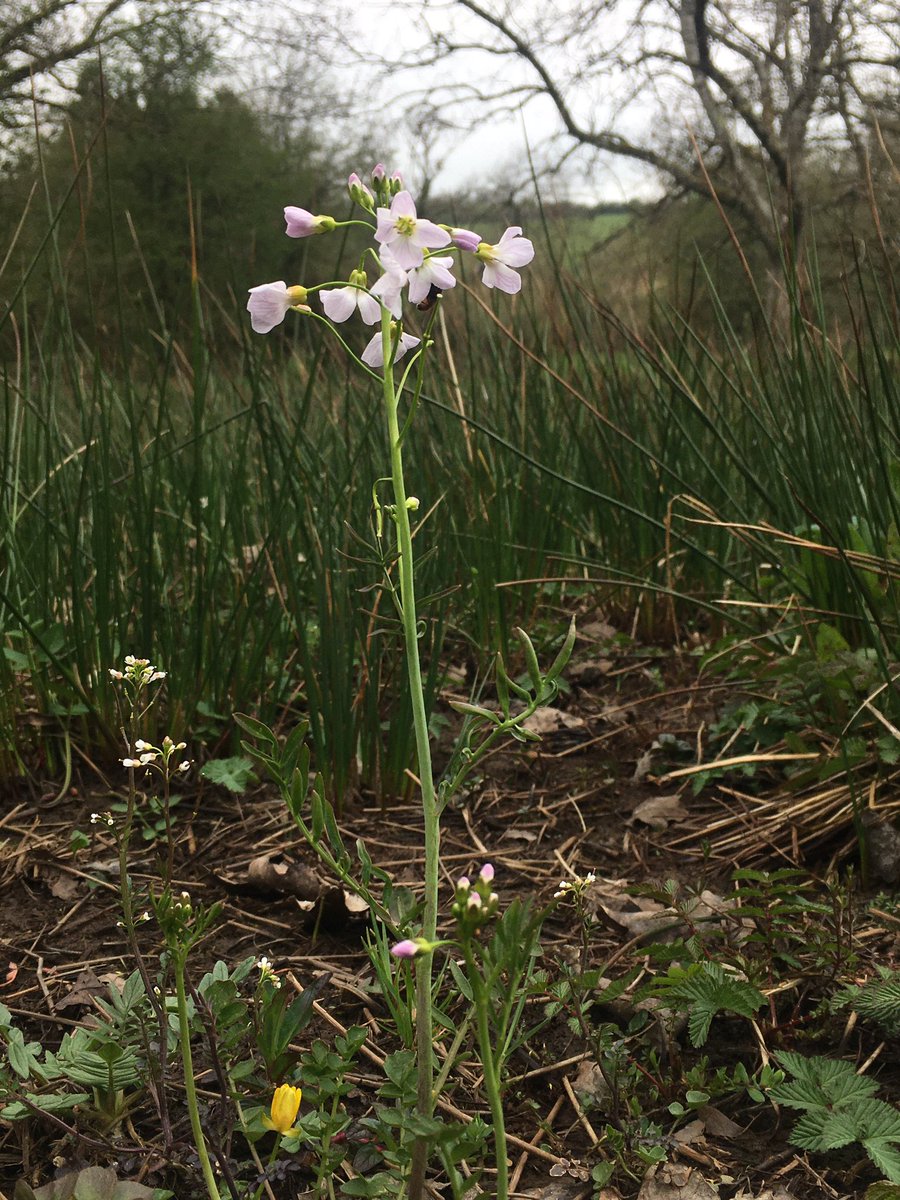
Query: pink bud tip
(405,949)
(486,873)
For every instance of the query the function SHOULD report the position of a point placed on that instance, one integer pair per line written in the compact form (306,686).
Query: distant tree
(158,149)
(43,41)
(762,86)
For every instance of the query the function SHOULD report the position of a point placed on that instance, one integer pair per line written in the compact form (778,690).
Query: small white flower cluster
(138,671)
(161,756)
(102,819)
(267,971)
(576,886)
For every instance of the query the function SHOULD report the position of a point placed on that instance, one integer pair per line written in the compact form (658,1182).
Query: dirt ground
(577,803)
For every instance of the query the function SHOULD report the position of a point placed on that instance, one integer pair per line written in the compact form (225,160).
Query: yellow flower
(285,1106)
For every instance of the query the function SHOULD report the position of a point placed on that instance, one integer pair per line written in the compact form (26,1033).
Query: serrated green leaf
(885,1155)
(235,774)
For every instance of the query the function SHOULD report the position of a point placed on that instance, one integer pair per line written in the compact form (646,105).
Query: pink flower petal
(405,949)
(388,288)
(407,254)
(300,223)
(499,275)
(373,355)
(369,308)
(466,239)
(339,303)
(403,205)
(515,251)
(268,305)
(430,235)
(386,227)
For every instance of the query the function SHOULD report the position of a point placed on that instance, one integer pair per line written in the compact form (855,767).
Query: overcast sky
(488,144)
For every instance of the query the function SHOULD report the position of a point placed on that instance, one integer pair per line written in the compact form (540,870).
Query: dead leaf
(689,1134)
(82,991)
(12,970)
(777,1193)
(596,631)
(557,1189)
(590,1084)
(552,720)
(519,835)
(717,1124)
(592,670)
(673,1181)
(642,767)
(62,886)
(658,811)
(356,906)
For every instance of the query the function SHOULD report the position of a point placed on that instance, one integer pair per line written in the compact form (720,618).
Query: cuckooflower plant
(403,255)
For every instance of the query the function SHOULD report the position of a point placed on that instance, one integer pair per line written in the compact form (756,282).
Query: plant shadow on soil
(539,814)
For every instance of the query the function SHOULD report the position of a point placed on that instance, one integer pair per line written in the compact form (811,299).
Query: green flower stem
(489,1064)
(424,1050)
(190,1090)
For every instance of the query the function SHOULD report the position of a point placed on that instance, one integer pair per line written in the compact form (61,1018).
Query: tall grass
(209,503)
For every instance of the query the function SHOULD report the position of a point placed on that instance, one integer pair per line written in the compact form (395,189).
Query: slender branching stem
(490,1066)
(424,1050)
(190,1089)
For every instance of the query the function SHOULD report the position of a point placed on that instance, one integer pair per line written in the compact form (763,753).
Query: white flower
(269,303)
(407,234)
(512,250)
(433,272)
(342,303)
(373,355)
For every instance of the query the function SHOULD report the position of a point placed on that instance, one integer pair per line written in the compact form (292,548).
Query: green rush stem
(424,1051)
(489,1067)
(190,1090)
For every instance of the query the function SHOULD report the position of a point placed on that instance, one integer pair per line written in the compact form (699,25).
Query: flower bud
(285,1106)
(360,194)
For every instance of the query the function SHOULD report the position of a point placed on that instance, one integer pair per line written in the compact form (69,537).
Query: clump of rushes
(410,263)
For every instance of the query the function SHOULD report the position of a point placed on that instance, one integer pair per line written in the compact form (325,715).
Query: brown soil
(538,814)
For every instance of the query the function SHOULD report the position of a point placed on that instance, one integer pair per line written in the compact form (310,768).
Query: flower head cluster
(267,972)
(475,903)
(138,671)
(283,1113)
(159,758)
(410,253)
(574,888)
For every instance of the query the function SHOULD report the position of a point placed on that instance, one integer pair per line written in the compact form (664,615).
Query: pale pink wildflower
(434,271)
(512,250)
(408,235)
(373,355)
(269,303)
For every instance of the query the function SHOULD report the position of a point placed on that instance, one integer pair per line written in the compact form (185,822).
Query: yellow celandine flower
(285,1106)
